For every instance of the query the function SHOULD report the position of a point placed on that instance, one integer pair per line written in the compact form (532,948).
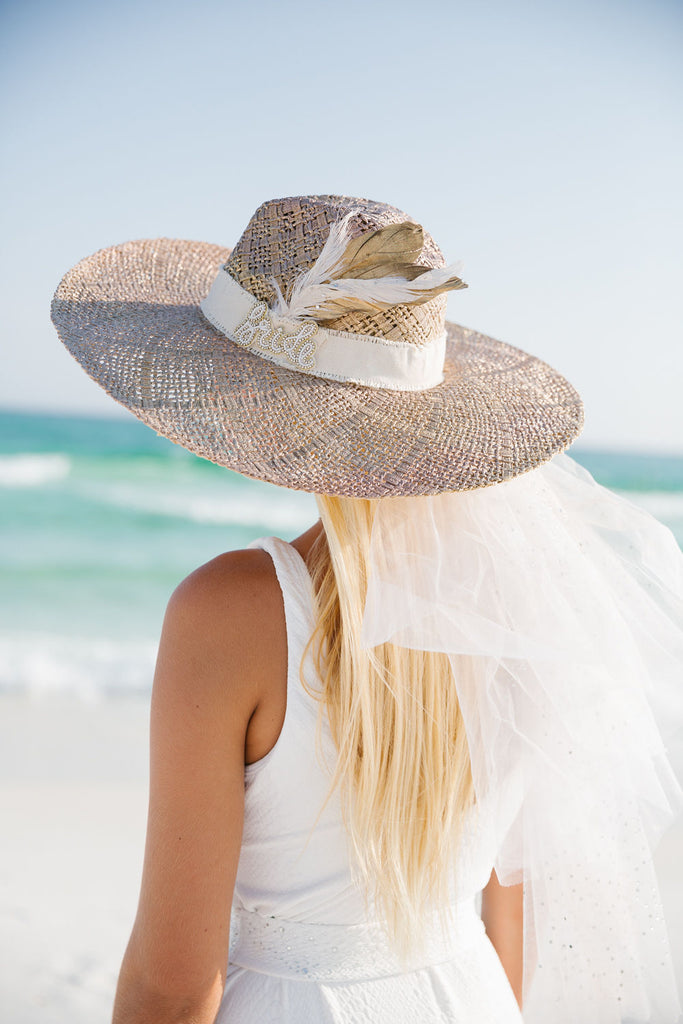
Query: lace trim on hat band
(305,346)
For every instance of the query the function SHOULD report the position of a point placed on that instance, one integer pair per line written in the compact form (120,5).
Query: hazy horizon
(540,143)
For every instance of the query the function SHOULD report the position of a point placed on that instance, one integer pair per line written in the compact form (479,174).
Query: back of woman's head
(404,766)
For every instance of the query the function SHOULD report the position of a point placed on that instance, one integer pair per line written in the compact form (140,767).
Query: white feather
(316,286)
(380,291)
(321,271)
(280,305)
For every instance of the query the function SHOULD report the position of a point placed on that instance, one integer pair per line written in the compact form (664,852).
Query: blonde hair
(403,762)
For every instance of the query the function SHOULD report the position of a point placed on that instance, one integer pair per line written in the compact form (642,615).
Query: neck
(305,541)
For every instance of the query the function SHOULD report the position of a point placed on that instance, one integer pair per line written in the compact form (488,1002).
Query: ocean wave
(287,511)
(37,664)
(33,470)
(283,511)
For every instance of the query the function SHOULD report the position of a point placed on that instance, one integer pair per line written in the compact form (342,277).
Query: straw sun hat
(315,355)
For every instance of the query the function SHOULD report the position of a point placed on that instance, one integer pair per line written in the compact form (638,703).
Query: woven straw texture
(130,316)
(285,237)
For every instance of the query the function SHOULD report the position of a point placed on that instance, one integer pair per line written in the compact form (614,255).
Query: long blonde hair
(403,766)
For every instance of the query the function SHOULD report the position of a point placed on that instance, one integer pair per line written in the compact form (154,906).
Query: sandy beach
(73,797)
(73,780)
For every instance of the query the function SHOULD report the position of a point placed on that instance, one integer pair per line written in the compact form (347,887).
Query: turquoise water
(100,519)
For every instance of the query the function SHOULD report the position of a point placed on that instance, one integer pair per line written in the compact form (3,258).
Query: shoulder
(210,672)
(222,623)
(236,582)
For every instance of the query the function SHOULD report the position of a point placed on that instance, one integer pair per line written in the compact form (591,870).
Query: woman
(442,687)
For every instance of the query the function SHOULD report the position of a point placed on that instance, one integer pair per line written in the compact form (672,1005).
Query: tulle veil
(560,605)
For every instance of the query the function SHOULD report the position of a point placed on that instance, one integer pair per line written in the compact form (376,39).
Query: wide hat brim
(130,315)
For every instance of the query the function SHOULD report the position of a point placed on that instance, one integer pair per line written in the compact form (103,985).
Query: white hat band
(305,346)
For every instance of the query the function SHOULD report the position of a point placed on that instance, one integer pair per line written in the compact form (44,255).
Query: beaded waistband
(334,953)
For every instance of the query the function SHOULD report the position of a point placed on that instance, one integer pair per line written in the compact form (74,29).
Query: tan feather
(373,295)
(333,309)
(369,273)
(409,271)
(380,253)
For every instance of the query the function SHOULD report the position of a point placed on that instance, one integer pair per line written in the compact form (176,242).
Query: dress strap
(292,575)
(297,594)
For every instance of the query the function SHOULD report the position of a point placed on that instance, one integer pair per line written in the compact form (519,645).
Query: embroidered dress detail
(335,953)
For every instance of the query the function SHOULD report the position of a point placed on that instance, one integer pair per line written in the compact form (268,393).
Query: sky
(539,142)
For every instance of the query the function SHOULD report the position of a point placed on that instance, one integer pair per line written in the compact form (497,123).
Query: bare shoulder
(236,581)
(219,647)
(221,623)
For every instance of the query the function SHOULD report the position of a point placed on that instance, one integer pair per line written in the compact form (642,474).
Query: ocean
(100,519)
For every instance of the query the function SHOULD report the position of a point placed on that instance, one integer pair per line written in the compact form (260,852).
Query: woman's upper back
(295,862)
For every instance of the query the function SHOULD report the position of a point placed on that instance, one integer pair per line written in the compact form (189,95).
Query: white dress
(303,946)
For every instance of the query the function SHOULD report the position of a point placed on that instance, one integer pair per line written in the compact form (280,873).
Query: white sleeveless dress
(303,946)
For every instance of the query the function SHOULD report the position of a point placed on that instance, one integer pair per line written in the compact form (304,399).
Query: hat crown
(285,237)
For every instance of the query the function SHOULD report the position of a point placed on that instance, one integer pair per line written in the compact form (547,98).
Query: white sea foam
(290,511)
(35,663)
(32,470)
(286,512)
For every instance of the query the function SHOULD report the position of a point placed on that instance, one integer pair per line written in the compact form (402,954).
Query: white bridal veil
(561,607)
